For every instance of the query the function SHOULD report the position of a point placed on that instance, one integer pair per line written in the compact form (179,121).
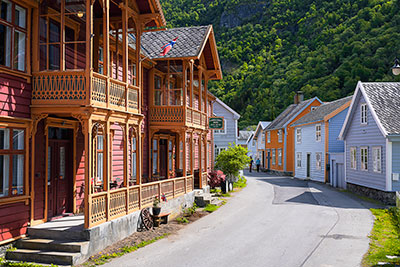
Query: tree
(232,160)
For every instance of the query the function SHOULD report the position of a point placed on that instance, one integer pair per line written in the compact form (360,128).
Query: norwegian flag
(167,47)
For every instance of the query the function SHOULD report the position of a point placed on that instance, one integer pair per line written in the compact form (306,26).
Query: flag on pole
(167,47)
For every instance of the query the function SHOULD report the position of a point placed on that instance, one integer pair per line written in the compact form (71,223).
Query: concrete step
(216,201)
(52,245)
(43,256)
(79,235)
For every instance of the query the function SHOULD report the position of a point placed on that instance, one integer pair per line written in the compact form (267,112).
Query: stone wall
(388,198)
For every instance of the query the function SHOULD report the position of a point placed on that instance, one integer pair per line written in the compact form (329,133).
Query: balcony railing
(71,88)
(177,116)
(126,200)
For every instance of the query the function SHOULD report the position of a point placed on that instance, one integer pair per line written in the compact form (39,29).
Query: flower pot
(156,210)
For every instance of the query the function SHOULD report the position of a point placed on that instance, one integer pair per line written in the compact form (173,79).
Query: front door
(269,158)
(308,165)
(59,177)
(163,158)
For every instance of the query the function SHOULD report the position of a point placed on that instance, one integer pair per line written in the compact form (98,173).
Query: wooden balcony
(71,88)
(127,200)
(179,116)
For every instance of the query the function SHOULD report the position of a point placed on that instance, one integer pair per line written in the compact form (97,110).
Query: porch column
(89,50)
(87,131)
(200,157)
(106,47)
(191,82)
(108,165)
(200,78)
(125,50)
(191,154)
(138,25)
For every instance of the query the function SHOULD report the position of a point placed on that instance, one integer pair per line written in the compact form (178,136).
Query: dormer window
(364,113)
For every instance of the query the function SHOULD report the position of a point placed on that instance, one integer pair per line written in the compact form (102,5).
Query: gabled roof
(262,125)
(290,113)
(383,100)
(244,135)
(236,115)
(250,137)
(325,109)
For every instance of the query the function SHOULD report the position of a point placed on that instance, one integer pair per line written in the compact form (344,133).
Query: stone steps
(44,256)
(54,245)
(79,235)
(204,199)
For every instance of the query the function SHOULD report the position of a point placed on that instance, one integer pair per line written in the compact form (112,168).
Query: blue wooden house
(316,136)
(371,133)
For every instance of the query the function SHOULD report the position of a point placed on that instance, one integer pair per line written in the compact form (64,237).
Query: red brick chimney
(298,97)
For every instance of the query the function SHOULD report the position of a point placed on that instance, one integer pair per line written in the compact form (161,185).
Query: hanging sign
(216,123)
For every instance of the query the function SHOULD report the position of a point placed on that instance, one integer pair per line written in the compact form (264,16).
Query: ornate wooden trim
(36,118)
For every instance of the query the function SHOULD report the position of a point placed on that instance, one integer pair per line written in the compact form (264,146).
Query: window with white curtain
(377,158)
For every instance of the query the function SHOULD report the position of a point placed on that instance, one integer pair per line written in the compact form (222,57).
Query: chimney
(298,97)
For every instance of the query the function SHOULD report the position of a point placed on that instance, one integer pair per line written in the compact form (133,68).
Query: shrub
(232,160)
(182,220)
(241,183)
(215,178)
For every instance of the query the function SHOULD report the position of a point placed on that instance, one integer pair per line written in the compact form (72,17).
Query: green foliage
(320,47)
(189,211)
(211,208)
(241,183)
(6,263)
(182,220)
(232,160)
(384,238)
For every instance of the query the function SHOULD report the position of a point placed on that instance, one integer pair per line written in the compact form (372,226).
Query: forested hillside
(270,49)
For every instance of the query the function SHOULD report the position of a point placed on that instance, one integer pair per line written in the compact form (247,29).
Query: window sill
(17,73)
(11,200)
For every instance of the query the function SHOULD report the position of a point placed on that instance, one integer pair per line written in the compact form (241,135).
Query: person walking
(258,163)
(251,163)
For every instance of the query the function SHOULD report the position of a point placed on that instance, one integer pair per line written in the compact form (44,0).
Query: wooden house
(259,137)
(316,136)
(279,146)
(371,133)
(93,119)
(229,134)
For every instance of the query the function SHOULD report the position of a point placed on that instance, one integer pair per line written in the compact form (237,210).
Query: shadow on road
(288,190)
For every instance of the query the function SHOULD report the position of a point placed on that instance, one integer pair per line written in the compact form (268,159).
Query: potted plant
(156,206)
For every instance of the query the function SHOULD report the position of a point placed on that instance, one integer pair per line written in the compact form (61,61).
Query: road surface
(274,221)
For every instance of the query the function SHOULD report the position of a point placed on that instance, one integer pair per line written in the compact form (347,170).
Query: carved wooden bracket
(36,118)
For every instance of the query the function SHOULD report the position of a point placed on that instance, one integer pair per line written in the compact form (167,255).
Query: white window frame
(298,159)
(377,158)
(273,156)
(318,132)
(364,158)
(223,131)
(318,161)
(280,156)
(298,135)
(364,114)
(268,137)
(353,158)
(280,133)
(218,150)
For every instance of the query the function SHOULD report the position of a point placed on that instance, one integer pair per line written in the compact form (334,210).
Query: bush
(215,178)
(232,160)
(241,183)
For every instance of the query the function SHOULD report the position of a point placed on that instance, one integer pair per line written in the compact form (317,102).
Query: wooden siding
(309,145)
(395,164)
(335,126)
(80,172)
(15,96)
(275,145)
(117,155)
(231,131)
(14,219)
(364,135)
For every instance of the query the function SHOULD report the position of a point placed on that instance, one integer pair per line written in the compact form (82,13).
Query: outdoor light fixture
(80,14)
(396,67)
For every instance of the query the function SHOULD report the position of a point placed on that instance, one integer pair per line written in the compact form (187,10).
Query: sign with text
(216,123)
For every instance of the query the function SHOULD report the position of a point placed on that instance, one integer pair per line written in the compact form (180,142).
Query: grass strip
(6,263)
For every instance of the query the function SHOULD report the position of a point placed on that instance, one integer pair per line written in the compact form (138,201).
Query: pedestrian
(258,163)
(251,163)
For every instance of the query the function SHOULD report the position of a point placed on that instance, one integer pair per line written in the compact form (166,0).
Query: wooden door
(163,158)
(308,165)
(59,178)
(269,159)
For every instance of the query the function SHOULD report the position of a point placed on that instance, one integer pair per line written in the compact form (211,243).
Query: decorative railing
(174,115)
(204,179)
(106,206)
(59,87)
(70,88)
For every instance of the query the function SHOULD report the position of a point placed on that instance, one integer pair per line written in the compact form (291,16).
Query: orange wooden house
(279,144)
(93,120)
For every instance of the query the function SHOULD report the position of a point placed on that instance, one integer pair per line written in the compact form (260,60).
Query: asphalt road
(274,221)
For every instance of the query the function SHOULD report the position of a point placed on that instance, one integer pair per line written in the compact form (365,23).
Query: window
(155,157)
(318,133)
(279,157)
(353,158)
(273,156)
(100,158)
(158,93)
(263,137)
(218,150)
(364,158)
(12,35)
(12,159)
(280,136)
(298,157)
(298,135)
(254,142)
(363,114)
(313,108)
(222,131)
(318,161)
(133,160)
(268,137)
(377,158)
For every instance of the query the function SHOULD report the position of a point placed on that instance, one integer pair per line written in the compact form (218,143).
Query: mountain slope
(271,49)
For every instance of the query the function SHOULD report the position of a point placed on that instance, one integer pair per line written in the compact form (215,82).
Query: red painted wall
(14,220)
(80,172)
(15,96)
(117,154)
(145,127)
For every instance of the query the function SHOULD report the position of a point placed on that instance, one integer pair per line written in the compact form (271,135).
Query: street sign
(216,123)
